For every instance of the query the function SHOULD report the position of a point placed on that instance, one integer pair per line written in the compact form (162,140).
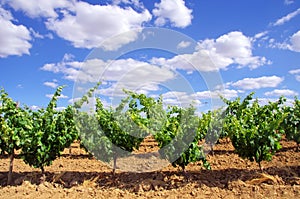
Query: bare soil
(78,175)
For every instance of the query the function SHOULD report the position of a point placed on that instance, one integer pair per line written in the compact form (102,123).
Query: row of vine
(109,133)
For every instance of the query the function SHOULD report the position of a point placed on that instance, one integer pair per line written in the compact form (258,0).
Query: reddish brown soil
(80,176)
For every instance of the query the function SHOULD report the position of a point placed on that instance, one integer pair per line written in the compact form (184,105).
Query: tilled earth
(78,175)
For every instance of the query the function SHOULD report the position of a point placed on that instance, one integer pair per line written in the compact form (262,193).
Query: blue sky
(251,46)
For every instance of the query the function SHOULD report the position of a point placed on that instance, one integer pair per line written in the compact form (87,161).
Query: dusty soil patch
(81,176)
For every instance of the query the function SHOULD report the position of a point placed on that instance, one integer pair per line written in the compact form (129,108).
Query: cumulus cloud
(227,93)
(213,55)
(124,73)
(287,18)
(134,75)
(51,84)
(257,83)
(201,60)
(14,39)
(296,72)
(281,92)
(238,47)
(62,96)
(60,108)
(89,25)
(292,44)
(185,99)
(174,11)
(265,101)
(295,42)
(34,107)
(183,44)
(232,48)
(180,98)
(135,3)
(40,8)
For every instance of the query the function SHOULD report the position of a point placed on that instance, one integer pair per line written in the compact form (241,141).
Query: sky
(188,51)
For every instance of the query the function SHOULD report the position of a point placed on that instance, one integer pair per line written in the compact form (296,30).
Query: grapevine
(253,129)
(52,131)
(14,125)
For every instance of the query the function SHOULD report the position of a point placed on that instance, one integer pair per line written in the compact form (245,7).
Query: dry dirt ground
(78,175)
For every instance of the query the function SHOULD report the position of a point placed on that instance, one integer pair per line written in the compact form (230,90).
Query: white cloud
(40,8)
(296,71)
(233,44)
(36,34)
(60,108)
(227,93)
(174,11)
(271,41)
(185,99)
(257,83)
(238,47)
(287,18)
(118,70)
(201,60)
(183,44)
(213,55)
(135,3)
(265,101)
(288,2)
(68,57)
(34,107)
(19,86)
(134,75)
(180,98)
(260,35)
(89,25)
(62,96)
(295,42)
(51,84)
(282,92)
(124,73)
(14,39)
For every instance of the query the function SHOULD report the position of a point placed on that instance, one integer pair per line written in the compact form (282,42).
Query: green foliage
(153,111)
(119,130)
(203,125)
(92,139)
(51,133)
(178,139)
(85,98)
(14,125)
(213,126)
(291,124)
(42,135)
(175,130)
(253,129)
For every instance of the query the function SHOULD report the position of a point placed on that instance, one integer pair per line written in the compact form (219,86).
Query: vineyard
(243,149)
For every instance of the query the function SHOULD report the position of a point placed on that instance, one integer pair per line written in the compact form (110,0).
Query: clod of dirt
(294,180)
(149,184)
(27,184)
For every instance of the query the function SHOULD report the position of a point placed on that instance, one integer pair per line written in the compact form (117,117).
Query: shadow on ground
(152,180)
